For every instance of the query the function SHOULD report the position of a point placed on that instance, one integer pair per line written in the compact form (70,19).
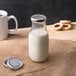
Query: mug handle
(13,31)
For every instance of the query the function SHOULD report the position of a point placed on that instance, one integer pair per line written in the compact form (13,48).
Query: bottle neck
(37,25)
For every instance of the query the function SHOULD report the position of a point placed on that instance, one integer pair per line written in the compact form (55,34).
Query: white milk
(38,45)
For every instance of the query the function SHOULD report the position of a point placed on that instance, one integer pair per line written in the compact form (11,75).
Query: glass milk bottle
(38,39)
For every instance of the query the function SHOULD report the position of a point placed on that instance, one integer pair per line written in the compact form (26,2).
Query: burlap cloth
(61,61)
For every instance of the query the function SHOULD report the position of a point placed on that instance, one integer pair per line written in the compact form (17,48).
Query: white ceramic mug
(4,18)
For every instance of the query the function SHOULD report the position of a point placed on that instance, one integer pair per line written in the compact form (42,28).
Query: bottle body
(38,44)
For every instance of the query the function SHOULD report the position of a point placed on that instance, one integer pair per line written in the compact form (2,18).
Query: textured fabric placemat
(61,61)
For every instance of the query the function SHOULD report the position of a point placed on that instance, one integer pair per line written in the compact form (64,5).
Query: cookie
(66,26)
(57,26)
(65,21)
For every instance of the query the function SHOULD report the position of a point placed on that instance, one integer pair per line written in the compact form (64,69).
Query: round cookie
(65,21)
(57,26)
(66,26)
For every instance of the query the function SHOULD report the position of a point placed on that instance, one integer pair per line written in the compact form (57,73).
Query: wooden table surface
(17,45)
(61,35)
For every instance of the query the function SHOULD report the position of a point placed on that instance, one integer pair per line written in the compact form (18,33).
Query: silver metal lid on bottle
(38,18)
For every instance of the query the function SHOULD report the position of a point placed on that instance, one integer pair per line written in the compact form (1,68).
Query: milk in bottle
(38,39)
